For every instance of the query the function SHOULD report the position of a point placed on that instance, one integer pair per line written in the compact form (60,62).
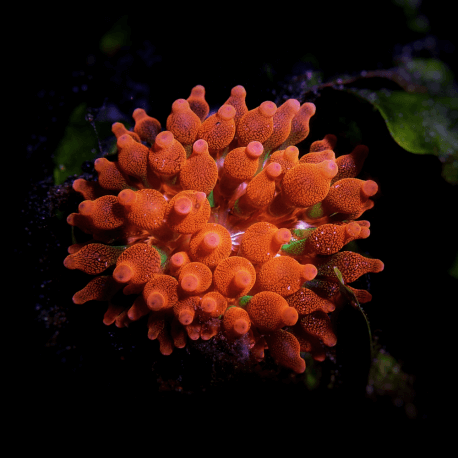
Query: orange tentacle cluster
(219,231)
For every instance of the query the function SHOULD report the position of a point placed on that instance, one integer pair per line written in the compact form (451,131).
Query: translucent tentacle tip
(369,188)
(308,272)
(242,279)
(164,139)
(227,112)
(267,109)
(123,273)
(183,206)
(156,300)
(211,241)
(254,150)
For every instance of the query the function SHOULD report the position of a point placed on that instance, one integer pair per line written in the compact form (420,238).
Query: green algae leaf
(351,298)
(78,144)
(420,123)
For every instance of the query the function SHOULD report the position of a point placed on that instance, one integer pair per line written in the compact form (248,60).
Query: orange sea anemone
(219,230)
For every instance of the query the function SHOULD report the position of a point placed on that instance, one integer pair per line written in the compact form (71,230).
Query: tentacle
(93,258)
(351,265)
(282,124)
(183,122)
(269,312)
(256,125)
(237,100)
(198,103)
(187,212)
(167,155)
(262,241)
(195,278)
(199,172)
(284,275)
(146,127)
(300,125)
(236,322)
(285,349)
(218,130)
(234,276)
(210,245)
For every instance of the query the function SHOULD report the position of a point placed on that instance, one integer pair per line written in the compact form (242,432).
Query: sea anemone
(215,228)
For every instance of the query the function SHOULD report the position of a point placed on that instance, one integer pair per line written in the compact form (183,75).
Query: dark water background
(70,359)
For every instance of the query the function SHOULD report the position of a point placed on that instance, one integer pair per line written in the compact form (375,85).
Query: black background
(73,360)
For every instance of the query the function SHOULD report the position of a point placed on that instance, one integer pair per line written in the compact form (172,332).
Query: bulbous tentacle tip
(126,197)
(282,236)
(254,150)
(293,105)
(185,317)
(198,91)
(123,273)
(69,262)
(227,112)
(273,170)
(299,368)
(200,197)
(211,241)
(377,265)
(328,168)
(309,108)
(71,220)
(238,91)
(164,139)
(365,232)
(268,109)
(369,188)
(183,206)
(178,260)
(353,229)
(180,106)
(242,279)
(292,153)
(156,301)
(78,298)
(124,141)
(100,163)
(308,272)
(330,340)
(86,207)
(241,326)
(138,113)
(189,282)
(289,316)
(119,129)
(208,304)
(200,147)
(79,184)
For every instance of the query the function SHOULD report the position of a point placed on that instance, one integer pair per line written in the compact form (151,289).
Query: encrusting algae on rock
(217,229)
